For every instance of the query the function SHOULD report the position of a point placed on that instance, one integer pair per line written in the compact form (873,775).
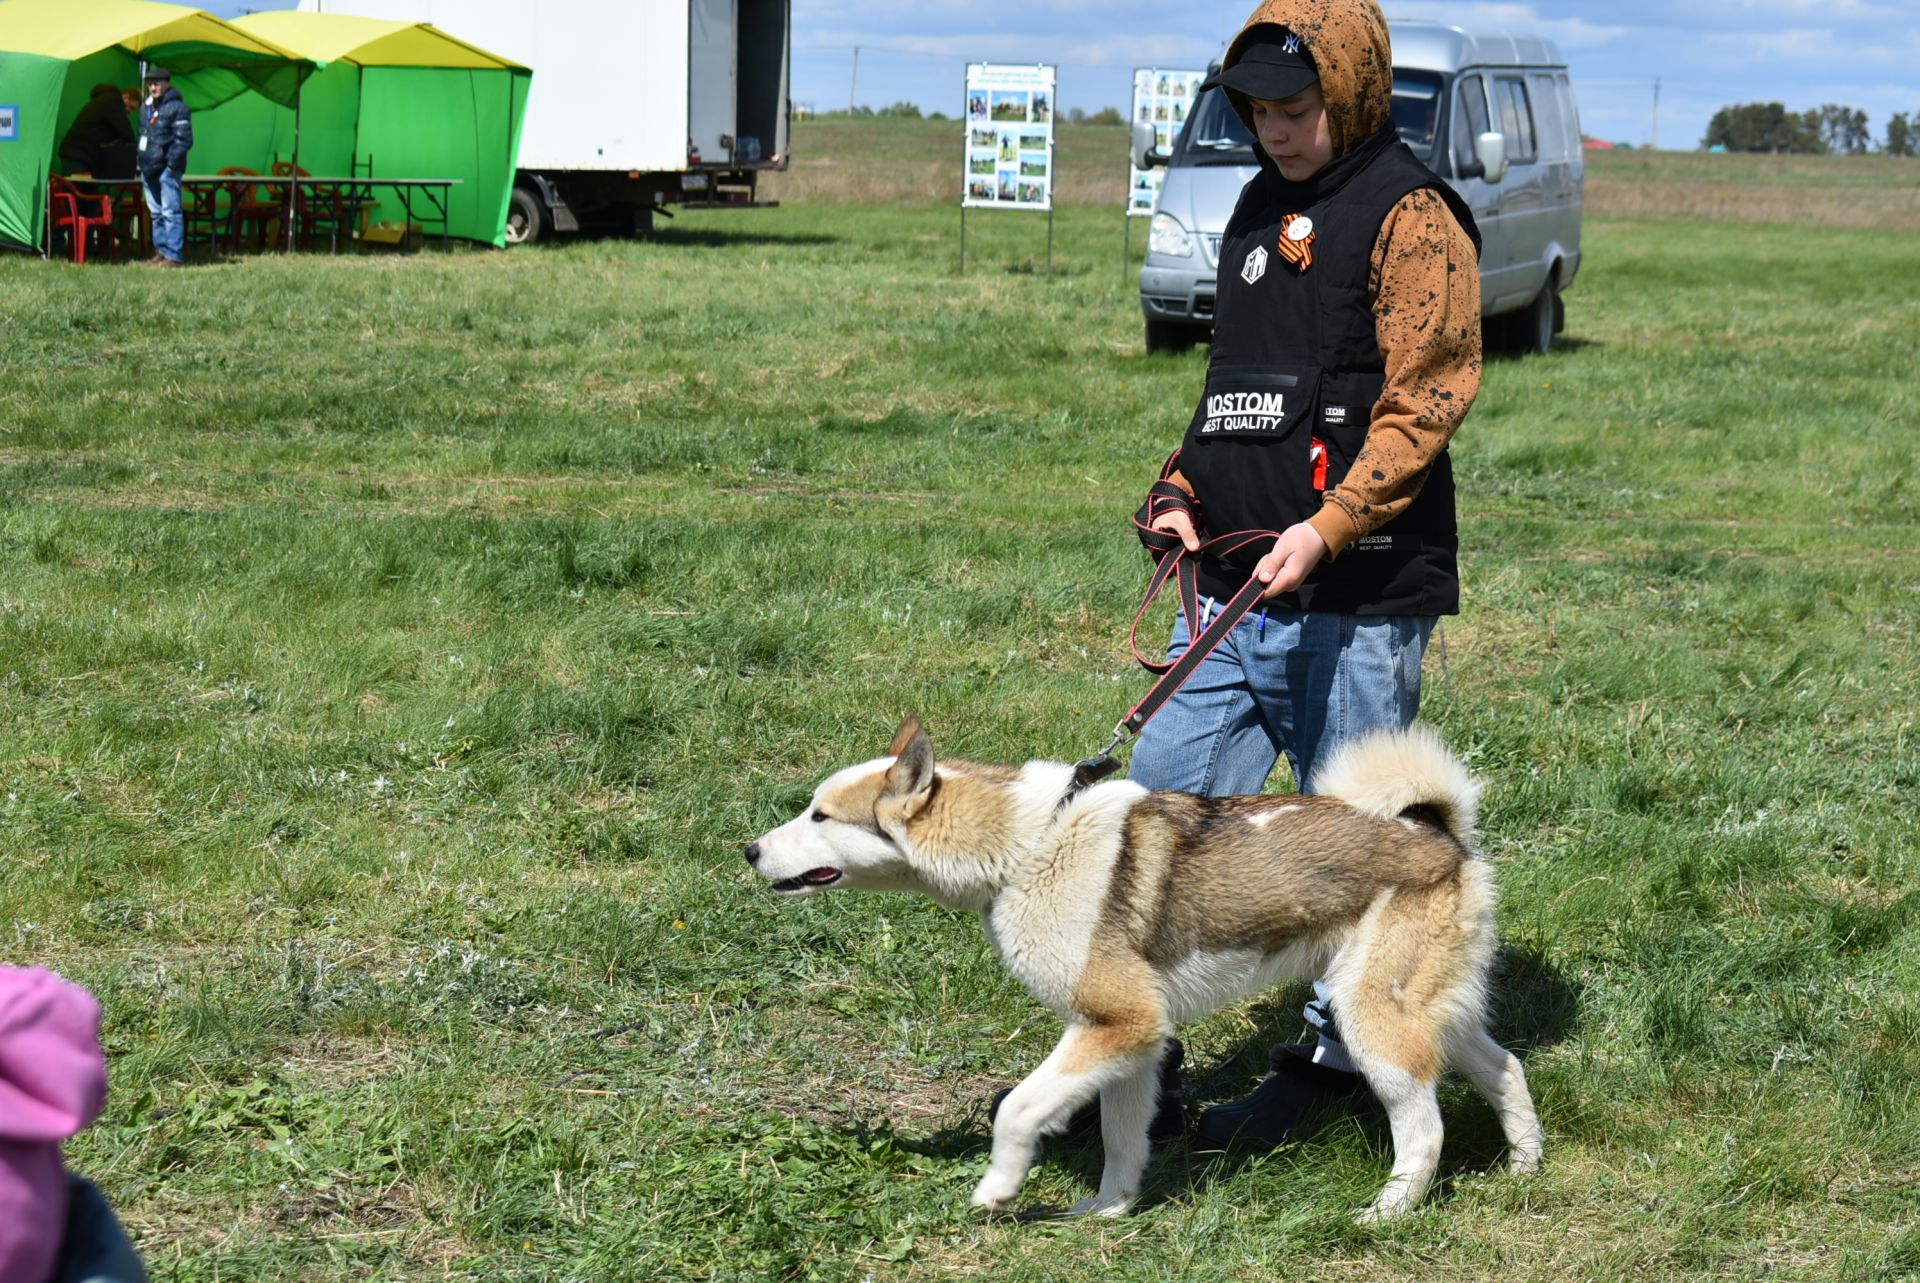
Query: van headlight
(1166,237)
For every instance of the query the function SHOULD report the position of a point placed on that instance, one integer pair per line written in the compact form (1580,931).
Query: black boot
(1169,1118)
(1291,1103)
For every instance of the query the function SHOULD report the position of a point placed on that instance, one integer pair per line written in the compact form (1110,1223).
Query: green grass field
(396,653)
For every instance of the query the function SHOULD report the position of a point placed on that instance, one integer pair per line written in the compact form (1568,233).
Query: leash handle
(1174,675)
(1174,561)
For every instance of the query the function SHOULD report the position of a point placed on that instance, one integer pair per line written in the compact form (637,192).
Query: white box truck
(633,105)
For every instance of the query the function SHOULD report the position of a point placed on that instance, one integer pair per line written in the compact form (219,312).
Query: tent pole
(293,179)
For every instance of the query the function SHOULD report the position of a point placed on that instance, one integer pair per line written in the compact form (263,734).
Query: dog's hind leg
(1091,1058)
(1497,1073)
(1413,1111)
(1394,991)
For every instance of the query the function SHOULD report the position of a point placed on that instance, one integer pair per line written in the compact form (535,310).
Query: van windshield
(1417,96)
(1214,135)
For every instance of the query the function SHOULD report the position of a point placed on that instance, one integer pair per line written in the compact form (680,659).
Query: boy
(1346,351)
(54,1225)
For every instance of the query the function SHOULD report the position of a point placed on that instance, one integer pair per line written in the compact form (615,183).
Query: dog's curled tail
(1392,773)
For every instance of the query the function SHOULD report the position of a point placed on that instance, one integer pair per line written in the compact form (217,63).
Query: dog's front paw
(1383,1210)
(1101,1205)
(995,1191)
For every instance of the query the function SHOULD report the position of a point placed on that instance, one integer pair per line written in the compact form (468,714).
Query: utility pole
(1654,143)
(852,83)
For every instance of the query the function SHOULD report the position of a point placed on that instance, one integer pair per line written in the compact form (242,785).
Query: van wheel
(526,217)
(1538,322)
(1167,336)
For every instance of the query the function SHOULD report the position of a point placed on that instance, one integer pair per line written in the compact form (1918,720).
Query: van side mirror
(1145,154)
(1490,153)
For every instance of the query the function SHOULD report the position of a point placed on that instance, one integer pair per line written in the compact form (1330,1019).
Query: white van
(1491,113)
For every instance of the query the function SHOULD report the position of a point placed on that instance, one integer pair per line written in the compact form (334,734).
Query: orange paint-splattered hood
(1349,44)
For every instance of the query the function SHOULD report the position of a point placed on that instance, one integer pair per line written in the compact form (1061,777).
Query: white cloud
(1801,44)
(1568,33)
(1829,10)
(1157,50)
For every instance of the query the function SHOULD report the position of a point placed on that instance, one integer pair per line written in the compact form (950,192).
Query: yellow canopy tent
(53,51)
(391,99)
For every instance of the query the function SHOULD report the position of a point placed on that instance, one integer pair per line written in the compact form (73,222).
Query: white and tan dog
(1128,912)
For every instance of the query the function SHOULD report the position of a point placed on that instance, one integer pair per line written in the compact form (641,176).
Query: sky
(1704,54)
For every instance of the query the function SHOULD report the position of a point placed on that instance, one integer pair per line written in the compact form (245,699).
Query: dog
(1127,911)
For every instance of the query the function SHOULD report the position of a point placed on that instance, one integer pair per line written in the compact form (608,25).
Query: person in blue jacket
(166,135)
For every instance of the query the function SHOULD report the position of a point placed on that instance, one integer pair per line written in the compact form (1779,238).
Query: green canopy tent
(53,51)
(391,100)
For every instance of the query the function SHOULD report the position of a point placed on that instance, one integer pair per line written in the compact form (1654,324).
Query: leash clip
(1091,770)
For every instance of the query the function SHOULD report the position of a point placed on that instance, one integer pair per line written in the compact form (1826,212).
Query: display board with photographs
(1161,98)
(1009,124)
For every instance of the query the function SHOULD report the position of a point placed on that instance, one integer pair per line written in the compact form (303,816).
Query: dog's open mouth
(812,878)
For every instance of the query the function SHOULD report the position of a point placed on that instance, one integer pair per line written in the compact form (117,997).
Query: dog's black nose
(753,853)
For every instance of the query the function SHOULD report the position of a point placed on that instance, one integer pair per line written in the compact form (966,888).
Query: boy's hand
(1295,553)
(1178,523)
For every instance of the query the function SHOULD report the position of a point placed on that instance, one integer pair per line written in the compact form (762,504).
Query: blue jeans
(1291,682)
(95,1249)
(162,191)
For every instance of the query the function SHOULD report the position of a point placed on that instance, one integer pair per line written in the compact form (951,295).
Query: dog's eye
(821,817)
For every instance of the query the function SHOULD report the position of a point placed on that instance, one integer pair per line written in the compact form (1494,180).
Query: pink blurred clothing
(53,1081)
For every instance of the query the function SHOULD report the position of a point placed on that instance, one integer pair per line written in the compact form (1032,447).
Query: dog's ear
(911,775)
(909,727)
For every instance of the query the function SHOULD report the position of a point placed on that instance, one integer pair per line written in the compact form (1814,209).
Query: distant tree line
(1832,129)
(911,111)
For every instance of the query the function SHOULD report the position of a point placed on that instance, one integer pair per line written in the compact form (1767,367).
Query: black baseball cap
(1273,66)
(159,73)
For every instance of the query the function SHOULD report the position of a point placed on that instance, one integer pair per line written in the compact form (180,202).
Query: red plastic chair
(80,215)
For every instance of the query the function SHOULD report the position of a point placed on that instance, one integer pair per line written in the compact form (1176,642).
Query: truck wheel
(1167,336)
(526,217)
(1537,324)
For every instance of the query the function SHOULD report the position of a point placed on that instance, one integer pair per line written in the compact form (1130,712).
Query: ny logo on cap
(1256,265)
(1291,45)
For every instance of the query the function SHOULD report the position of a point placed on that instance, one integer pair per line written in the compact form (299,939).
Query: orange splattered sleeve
(1424,280)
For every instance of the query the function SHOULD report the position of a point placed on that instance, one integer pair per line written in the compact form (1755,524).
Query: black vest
(1295,372)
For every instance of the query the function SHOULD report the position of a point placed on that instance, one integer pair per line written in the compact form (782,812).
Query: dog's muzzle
(812,878)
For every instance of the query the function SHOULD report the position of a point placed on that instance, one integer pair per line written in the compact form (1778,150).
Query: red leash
(1174,561)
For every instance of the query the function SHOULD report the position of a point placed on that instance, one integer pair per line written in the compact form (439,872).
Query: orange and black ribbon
(1300,252)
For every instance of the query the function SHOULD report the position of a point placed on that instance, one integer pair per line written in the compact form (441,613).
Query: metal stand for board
(966,121)
(1126,249)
